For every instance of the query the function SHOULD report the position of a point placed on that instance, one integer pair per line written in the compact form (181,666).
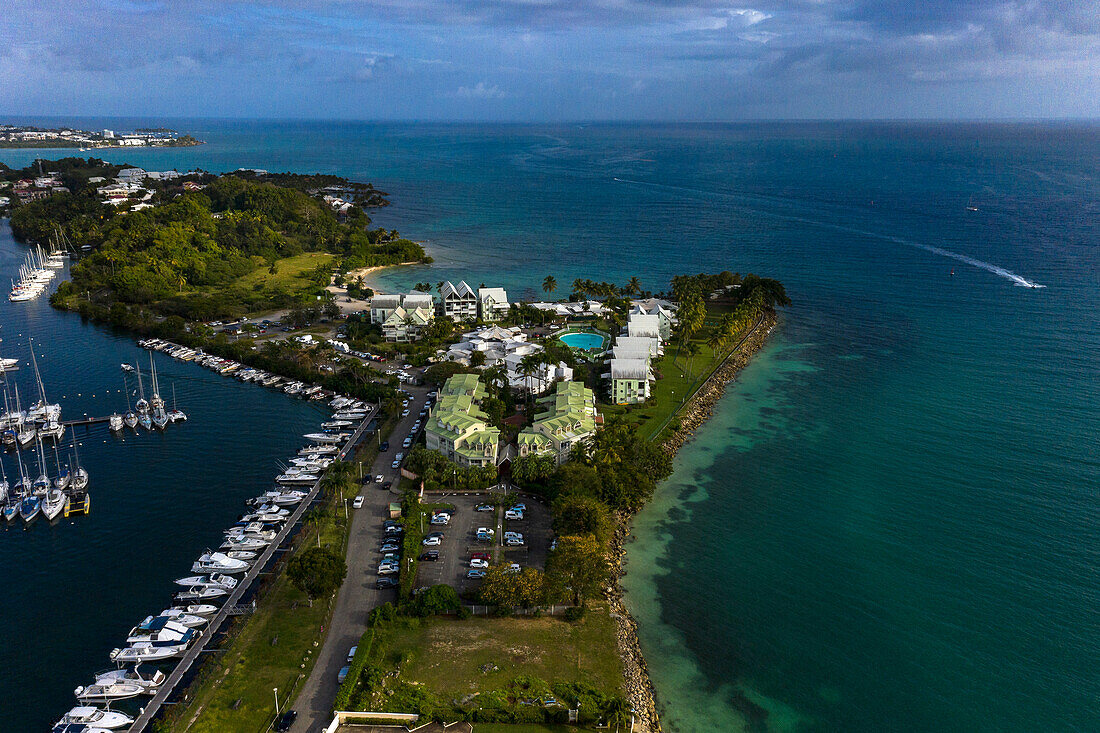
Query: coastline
(640,691)
(366,272)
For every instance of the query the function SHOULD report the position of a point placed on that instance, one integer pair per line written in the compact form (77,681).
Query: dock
(85,421)
(232,605)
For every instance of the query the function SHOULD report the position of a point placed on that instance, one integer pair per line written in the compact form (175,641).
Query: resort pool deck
(584,340)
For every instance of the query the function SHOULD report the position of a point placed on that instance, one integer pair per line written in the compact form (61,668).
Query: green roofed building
(569,417)
(458,428)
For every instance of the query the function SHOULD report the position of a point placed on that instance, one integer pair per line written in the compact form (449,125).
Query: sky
(552,60)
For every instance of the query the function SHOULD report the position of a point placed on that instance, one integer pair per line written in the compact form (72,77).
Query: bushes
(434,600)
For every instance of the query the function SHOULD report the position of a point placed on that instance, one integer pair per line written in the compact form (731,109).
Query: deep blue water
(895,510)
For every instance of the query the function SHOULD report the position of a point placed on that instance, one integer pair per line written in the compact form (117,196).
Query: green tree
(317,572)
(477,359)
(578,564)
(550,284)
(576,514)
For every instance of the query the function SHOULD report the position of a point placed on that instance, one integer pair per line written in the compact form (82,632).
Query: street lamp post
(276,702)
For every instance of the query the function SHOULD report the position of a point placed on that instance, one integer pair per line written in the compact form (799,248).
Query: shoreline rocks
(639,687)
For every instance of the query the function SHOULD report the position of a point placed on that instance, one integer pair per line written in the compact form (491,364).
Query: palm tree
(633,285)
(549,284)
(617,712)
(579,287)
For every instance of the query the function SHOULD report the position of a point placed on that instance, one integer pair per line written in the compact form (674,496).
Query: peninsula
(530,434)
(26,136)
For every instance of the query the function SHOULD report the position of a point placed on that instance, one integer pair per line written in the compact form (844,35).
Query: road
(357,596)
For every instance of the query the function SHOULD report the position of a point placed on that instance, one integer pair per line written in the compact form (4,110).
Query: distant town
(21,136)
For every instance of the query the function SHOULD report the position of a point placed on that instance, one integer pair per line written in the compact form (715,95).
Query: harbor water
(894,511)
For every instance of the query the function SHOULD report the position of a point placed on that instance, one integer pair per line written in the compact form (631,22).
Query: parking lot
(460,539)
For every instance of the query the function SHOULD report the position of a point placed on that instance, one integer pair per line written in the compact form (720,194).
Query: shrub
(574,613)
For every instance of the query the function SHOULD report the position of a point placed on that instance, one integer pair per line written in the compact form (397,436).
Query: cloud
(480,91)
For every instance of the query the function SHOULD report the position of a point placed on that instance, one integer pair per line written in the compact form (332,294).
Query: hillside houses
(631,374)
(402,316)
(492,303)
(507,346)
(459,301)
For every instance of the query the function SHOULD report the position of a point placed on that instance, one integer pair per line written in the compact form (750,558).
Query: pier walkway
(141,723)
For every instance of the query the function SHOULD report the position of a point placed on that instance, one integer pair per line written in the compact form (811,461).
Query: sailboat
(31,505)
(130,419)
(63,475)
(15,498)
(80,474)
(160,417)
(176,414)
(25,434)
(142,406)
(52,499)
(3,483)
(970,205)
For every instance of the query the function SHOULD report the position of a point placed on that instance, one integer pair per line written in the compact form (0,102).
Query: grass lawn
(289,274)
(252,664)
(446,656)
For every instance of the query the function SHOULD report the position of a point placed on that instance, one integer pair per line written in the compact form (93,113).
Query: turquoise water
(892,521)
(582,340)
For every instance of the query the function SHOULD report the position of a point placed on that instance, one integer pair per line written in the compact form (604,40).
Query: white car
(404,413)
(514,542)
(513,568)
(485,530)
(351,653)
(432,541)
(388,568)
(358,503)
(513,535)
(513,515)
(441,519)
(379,478)
(479,563)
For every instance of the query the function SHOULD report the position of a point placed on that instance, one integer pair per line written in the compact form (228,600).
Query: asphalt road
(358,595)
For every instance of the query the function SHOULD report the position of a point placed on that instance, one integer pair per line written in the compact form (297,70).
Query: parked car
(358,503)
(486,530)
(514,542)
(351,653)
(379,478)
(430,555)
(475,573)
(484,508)
(404,413)
(513,515)
(431,541)
(390,546)
(407,443)
(342,675)
(513,535)
(513,568)
(396,464)
(519,507)
(389,569)
(441,519)
(385,446)
(387,581)
(285,721)
(476,563)
(479,555)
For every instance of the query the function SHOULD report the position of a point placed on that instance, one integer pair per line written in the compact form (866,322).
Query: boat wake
(1018,280)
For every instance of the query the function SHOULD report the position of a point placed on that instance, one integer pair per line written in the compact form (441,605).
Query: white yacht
(53,503)
(201,593)
(108,690)
(87,715)
(294,477)
(149,683)
(214,580)
(145,652)
(332,438)
(200,610)
(318,450)
(244,543)
(161,631)
(218,562)
(190,620)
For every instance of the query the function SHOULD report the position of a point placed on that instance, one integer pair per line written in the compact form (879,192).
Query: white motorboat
(145,652)
(127,367)
(332,424)
(114,422)
(311,450)
(88,715)
(333,438)
(218,562)
(149,683)
(202,593)
(108,690)
(214,580)
(242,555)
(266,535)
(199,610)
(161,631)
(189,620)
(297,478)
(246,543)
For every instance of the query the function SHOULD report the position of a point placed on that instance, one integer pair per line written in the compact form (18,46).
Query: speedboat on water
(242,555)
(327,437)
(161,631)
(87,715)
(149,683)
(311,450)
(219,562)
(297,478)
(199,610)
(202,593)
(189,620)
(108,690)
(246,543)
(127,367)
(214,580)
(146,652)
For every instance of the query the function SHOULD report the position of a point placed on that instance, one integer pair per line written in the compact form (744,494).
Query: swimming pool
(585,340)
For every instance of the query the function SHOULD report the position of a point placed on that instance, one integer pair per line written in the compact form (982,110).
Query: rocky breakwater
(639,686)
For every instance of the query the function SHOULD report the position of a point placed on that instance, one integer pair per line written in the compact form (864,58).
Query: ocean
(895,510)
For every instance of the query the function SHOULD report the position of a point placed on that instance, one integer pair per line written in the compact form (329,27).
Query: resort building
(507,347)
(643,325)
(383,306)
(569,417)
(580,309)
(639,345)
(630,380)
(406,324)
(492,303)
(457,427)
(459,301)
(664,310)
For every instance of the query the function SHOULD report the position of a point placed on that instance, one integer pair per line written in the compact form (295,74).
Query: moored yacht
(149,683)
(196,610)
(218,562)
(143,651)
(87,715)
(161,631)
(214,580)
(108,690)
(201,593)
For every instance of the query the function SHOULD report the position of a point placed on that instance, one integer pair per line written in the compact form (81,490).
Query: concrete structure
(569,418)
(492,303)
(458,428)
(459,301)
(664,310)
